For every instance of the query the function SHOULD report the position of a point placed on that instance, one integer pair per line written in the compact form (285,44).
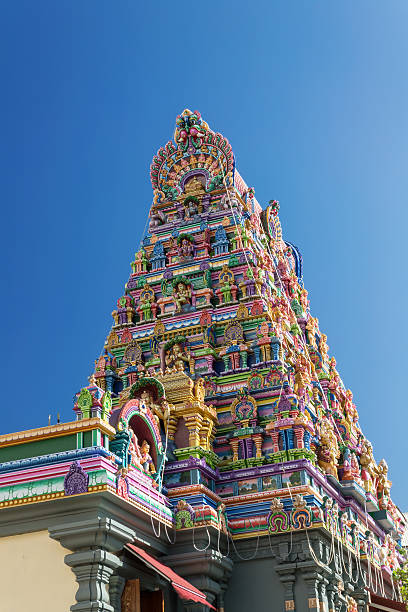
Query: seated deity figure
(351,468)
(182,295)
(176,359)
(145,458)
(160,411)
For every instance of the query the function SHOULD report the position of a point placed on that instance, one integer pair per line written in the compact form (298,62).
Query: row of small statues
(372,477)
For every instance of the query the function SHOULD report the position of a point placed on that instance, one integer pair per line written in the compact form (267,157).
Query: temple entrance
(135,599)
(151,601)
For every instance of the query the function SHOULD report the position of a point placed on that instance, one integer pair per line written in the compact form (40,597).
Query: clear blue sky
(313,98)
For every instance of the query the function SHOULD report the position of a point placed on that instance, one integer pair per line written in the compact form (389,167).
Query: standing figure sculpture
(368,467)
(146,459)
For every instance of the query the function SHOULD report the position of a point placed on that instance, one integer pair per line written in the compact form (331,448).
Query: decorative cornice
(47,497)
(57,458)
(54,431)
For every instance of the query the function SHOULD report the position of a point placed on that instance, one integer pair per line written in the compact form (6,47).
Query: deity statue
(391,548)
(302,376)
(368,467)
(264,341)
(182,295)
(134,451)
(351,468)
(293,286)
(141,262)
(329,453)
(350,411)
(147,307)
(304,302)
(283,271)
(195,186)
(185,249)
(176,359)
(145,458)
(324,348)
(311,328)
(199,389)
(383,484)
(227,291)
(157,218)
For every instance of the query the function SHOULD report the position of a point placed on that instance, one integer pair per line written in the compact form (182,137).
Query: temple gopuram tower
(215,460)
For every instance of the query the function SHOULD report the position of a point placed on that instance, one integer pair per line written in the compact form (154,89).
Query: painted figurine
(145,458)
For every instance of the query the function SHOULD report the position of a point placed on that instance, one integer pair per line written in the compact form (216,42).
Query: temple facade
(215,460)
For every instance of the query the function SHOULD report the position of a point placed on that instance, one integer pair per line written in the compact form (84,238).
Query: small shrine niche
(145,441)
(147,306)
(134,360)
(246,440)
(139,426)
(235,352)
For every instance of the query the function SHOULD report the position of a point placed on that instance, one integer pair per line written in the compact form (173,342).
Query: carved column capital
(104,533)
(92,569)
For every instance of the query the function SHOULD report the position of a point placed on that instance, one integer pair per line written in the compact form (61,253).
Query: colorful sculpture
(222,387)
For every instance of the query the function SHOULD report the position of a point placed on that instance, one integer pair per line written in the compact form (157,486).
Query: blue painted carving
(158,258)
(221,244)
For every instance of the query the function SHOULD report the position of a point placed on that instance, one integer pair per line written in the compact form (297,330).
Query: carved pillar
(234,442)
(193,424)
(287,578)
(275,349)
(172,427)
(257,438)
(312,581)
(331,590)
(92,569)
(205,432)
(323,599)
(275,440)
(244,356)
(116,586)
(96,542)
(299,433)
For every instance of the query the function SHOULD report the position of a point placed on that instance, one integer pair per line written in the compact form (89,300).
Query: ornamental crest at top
(196,150)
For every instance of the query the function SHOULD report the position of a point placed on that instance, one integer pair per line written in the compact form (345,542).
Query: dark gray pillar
(312,579)
(92,569)
(96,544)
(116,586)
(287,577)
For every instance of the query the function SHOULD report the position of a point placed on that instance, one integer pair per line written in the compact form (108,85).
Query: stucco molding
(53,431)
(104,533)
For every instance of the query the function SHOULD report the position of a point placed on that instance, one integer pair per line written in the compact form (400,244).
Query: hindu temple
(215,459)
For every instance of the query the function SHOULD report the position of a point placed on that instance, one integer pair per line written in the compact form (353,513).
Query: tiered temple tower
(217,414)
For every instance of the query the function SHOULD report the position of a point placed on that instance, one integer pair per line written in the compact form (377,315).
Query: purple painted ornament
(76,481)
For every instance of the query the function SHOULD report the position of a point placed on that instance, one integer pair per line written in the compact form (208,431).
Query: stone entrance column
(96,543)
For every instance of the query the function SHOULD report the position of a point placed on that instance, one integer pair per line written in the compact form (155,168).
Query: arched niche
(134,415)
